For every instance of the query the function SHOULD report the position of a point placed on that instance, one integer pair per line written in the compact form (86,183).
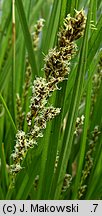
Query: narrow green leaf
(27,36)
(28,180)
(36,8)
(51,29)
(8,113)
(95,41)
(1,194)
(4,171)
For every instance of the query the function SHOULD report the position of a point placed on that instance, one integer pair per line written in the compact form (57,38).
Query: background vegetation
(70,142)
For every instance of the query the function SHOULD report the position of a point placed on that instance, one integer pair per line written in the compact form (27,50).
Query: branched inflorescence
(56,69)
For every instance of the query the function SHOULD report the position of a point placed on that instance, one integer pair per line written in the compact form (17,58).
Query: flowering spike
(57,67)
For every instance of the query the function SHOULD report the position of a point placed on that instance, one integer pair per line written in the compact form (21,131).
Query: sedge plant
(50,99)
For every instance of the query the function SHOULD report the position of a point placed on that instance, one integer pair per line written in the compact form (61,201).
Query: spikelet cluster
(56,68)
(56,161)
(37,118)
(36,181)
(67,182)
(37,30)
(79,124)
(57,62)
(73,28)
(19,152)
